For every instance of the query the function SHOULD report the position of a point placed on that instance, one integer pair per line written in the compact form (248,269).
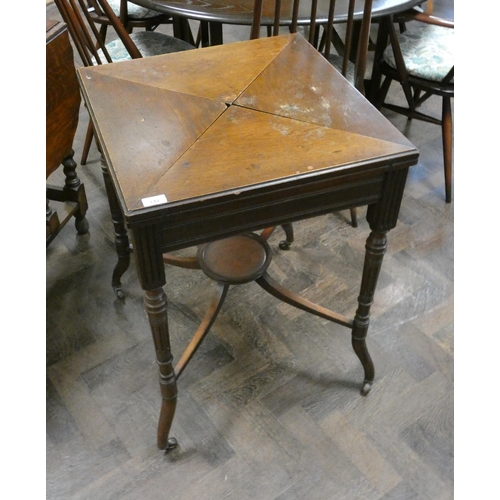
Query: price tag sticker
(154,200)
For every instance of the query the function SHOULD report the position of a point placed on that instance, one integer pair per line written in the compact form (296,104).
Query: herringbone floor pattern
(269,408)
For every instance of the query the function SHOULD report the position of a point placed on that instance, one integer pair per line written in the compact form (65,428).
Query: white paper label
(154,200)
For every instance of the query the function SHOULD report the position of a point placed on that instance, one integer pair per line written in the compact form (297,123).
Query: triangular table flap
(219,73)
(315,93)
(146,122)
(246,147)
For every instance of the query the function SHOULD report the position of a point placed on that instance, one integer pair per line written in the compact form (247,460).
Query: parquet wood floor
(269,408)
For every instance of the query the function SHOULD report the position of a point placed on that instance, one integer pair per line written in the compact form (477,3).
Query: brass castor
(171,444)
(285,245)
(366,388)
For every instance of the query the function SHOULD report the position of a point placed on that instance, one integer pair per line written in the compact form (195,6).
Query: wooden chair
(421,60)
(131,16)
(324,37)
(349,55)
(93,50)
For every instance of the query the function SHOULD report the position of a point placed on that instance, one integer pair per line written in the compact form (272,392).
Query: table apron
(218,219)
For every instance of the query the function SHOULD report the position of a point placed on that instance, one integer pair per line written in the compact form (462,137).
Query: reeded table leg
(151,271)
(376,246)
(155,302)
(381,216)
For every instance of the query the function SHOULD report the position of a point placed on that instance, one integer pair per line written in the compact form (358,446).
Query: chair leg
(74,191)
(87,143)
(354,217)
(103,32)
(379,97)
(447,128)
(420,100)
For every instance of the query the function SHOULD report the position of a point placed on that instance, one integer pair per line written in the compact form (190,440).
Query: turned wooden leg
(87,143)
(121,238)
(151,272)
(381,216)
(74,191)
(354,217)
(376,246)
(155,302)
(447,147)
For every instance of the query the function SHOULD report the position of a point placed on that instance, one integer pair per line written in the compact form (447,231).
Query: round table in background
(215,13)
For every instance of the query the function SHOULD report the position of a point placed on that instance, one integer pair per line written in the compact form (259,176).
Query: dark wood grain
(62,96)
(62,112)
(240,11)
(287,423)
(254,166)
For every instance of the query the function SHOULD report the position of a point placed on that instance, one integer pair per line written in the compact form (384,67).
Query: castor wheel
(284,245)
(171,444)
(120,294)
(366,388)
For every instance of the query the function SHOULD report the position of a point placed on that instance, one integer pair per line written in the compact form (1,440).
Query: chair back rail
(85,34)
(329,34)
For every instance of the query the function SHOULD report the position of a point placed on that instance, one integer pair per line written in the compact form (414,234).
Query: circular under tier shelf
(236,260)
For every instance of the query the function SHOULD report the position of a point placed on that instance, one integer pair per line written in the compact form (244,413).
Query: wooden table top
(222,122)
(240,11)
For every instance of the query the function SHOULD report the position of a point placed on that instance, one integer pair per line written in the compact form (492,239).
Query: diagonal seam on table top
(228,101)
(220,73)
(265,82)
(162,123)
(155,98)
(320,94)
(128,73)
(237,169)
(321,81)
